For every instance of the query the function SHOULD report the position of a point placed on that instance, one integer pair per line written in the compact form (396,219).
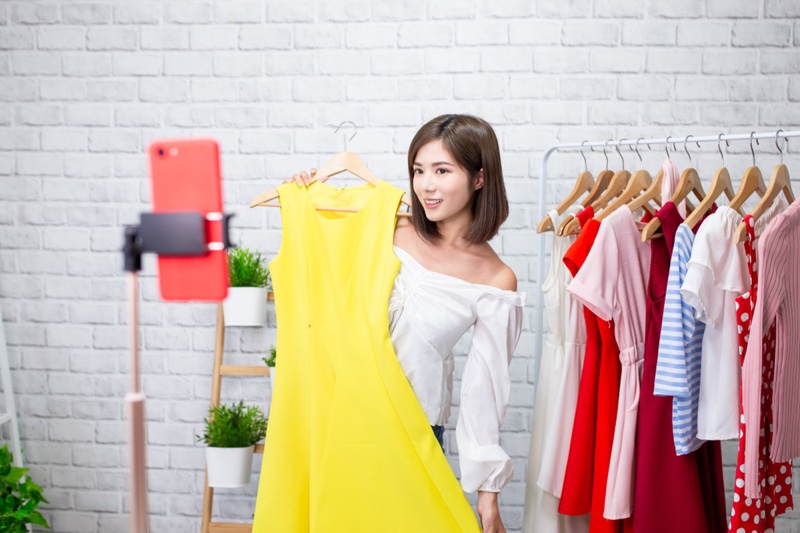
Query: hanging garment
(576,494)
(429,312)
(556,396)
(716,275)
(680,347)
(748,514)
(586,476)
(778,298)
(678,484)
(612,284)
(348,447)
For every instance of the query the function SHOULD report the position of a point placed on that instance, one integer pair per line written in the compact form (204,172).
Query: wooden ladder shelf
(220,370)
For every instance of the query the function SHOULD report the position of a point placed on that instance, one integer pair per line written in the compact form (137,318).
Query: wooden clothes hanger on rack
(688,183)
(752,181)
(653,193)
(341,162)
(601,183)
(637,184)
(616,185)
(721,182)
(600,186)
(584,183)
(779,182)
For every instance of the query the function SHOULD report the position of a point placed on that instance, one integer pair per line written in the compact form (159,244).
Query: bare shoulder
(504,278)
(498,273)
(404,234)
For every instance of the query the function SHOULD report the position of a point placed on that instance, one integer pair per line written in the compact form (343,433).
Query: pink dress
(757,515)
(612,284)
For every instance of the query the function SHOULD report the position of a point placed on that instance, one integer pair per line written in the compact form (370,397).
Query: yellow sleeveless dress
(348,446)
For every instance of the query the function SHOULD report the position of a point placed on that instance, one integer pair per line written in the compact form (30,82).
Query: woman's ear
(479,180)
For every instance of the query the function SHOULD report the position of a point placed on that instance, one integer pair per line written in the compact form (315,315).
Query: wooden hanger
(341,162)
(653,193)
(752,181)
(688,183)
(582,184)
(600,185)
(637,184)
(615,188)
(779,183)
(596,193)
(721,182)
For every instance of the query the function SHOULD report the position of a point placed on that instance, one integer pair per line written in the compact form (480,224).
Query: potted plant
(230,435)
(246,304)
(270,362)
(19,498)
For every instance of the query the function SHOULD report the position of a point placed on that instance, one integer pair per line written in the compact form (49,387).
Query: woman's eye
(441,171)
(417,171)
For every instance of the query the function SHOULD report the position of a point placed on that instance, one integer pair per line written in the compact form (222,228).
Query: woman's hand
(303,178)
(489,512)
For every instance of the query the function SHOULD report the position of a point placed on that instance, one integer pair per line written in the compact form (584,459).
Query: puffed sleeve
(485,387)
(595,284)
(716,267)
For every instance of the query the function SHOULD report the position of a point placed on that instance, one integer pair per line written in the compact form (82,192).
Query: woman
(451,279)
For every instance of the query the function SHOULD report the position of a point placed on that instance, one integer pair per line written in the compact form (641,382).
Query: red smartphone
(185,176)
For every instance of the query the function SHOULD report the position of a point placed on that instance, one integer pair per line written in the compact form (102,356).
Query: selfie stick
(166,234)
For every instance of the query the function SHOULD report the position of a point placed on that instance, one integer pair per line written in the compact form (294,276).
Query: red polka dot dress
(750,515)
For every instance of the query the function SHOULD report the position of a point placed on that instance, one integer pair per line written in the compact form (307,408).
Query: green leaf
(234,426)
(246,268)
(19,499)
(37,519)
(14,475)
(270,361)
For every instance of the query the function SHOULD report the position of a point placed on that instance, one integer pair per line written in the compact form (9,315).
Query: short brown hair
(471,141)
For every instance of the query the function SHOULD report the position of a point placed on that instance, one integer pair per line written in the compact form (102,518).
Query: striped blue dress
(680,350)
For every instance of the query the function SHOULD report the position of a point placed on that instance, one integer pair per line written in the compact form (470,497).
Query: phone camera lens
(161,152)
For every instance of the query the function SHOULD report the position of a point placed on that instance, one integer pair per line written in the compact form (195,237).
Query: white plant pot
(272,378)
(229,467)
(245,306)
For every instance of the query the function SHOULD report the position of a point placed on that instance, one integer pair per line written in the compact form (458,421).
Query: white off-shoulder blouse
(428,313)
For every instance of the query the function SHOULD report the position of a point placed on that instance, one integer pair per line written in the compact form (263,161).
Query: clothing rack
(558,147)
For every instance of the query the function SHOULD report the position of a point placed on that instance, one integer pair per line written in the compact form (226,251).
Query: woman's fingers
(303,178)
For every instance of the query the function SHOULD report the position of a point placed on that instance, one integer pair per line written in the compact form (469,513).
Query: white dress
(556,398)
(716,276)
(429,312)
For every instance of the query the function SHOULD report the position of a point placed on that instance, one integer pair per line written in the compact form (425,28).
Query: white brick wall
(86,85)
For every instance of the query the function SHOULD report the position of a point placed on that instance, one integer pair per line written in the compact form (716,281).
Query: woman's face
(443,187)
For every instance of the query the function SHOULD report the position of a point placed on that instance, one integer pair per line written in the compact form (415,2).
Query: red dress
(666,482)
(586,475)
(758,515)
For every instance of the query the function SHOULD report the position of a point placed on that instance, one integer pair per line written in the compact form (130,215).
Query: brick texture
(87,85)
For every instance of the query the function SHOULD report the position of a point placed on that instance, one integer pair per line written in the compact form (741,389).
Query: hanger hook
(719,148)
(753,152)
(355,131)
(641,163)
(605,145)
(686,148)
(585,165)
(666,146)
(777,145)
(619,142)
